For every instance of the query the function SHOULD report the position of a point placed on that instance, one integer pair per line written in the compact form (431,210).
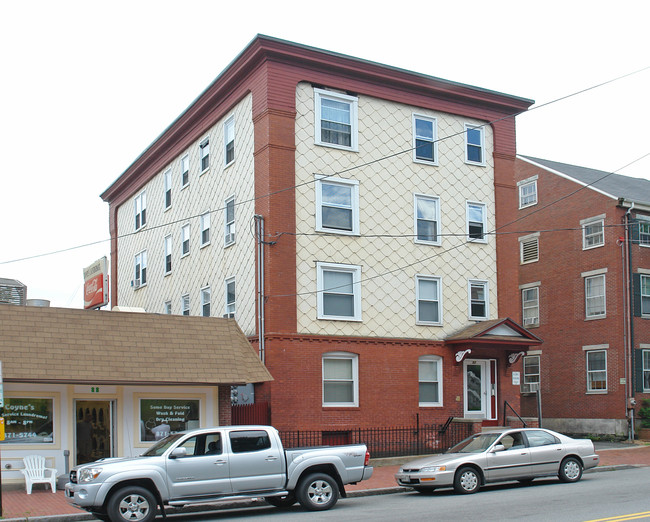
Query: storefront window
(160,417)
(29,420)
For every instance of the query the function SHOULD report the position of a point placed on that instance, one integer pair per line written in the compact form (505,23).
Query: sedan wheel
(467,481)
(570,470)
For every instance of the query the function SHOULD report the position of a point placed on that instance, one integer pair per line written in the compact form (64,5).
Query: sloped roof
(615,185)
(84,346)
(500,331)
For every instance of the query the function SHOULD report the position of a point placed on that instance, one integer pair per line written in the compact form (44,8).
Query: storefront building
(82,385)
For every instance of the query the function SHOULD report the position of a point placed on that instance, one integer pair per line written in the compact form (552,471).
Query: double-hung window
(205,301)
(140,274)
(185,171)
(337,206)
(167,307)
(168,255)
(229,141)
(185,304)
(204,154)
(429,300)
(530,382)
(476,222)
(140,210)
(425,137)
(229,237)
(185,240)
(596,370)
(646,371)
(340,379)
(339,291)
(478,300)
(430,380)
(528,192)
(168,189)
(427,219)
(593,234)
(530,306)
(336,120)
(644,233)
(231,298)
(644,292)
(474,145)
(205,228)
(595,296)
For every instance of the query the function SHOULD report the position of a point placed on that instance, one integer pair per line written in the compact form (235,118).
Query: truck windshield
(475,444)
(162,445)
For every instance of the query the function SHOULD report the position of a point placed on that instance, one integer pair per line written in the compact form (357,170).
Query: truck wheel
(132,503)
(317,492)
(282,502)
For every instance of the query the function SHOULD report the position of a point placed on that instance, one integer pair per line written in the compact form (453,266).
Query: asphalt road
(612,495)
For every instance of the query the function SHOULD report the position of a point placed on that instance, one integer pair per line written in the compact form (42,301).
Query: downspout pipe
(629,312)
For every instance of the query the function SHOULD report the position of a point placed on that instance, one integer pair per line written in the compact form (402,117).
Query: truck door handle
(271,457)
(219,462)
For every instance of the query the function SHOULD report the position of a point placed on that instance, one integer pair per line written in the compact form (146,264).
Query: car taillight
(367,461)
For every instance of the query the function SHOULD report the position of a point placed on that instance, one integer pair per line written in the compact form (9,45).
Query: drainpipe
(628,340)
(259,236)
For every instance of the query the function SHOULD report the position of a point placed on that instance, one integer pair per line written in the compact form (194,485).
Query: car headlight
(88,474)
(432,469)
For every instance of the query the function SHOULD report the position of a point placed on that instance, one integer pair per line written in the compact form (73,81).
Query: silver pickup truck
(216,464)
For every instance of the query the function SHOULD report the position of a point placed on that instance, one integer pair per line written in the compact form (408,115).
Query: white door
(479,386)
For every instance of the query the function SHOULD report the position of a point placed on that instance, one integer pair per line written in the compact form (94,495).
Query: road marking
(631,516)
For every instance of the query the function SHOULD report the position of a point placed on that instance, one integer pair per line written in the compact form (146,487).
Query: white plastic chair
(36,473)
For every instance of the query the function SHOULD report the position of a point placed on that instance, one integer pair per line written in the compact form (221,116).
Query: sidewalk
(44,506)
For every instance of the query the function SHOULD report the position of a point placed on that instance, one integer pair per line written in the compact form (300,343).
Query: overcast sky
(86,86)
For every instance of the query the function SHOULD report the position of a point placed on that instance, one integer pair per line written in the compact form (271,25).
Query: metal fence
(386,442)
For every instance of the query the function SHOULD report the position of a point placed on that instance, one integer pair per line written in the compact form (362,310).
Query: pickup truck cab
(209,465)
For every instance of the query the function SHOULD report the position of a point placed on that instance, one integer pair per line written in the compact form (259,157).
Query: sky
(86,86)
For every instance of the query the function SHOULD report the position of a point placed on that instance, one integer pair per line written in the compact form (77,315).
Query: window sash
(337,206)
(597,370)
(168,189)
(340,380)
(336,122)
(429,382)
(185,235)
(531,373)
(205,228)
(185,171)
(185,304)
(595,296)
(646,370)
(141,267)
(229,141)
(204,154)
(645,294)
(476,221)
(530,306)
(644,233)
(427,216)
(528,194)
(478,300)
(205,302)
(339,292)
(593,234)
(168,254)
(140,211)
(428,300)
(424,131)
(231,298)
(474,144)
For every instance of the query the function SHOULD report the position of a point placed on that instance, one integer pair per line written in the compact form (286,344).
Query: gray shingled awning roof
(60,345)
(616,185)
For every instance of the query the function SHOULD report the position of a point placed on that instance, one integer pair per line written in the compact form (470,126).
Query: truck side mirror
(178,453)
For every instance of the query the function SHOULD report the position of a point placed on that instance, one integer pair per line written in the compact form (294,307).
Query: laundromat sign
(96,284)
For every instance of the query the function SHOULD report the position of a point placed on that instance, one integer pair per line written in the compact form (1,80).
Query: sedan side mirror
(498,447)
(178,453)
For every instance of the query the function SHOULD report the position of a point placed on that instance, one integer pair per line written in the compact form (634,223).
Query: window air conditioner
(530,320)
(229,316)
(136,284)
(230,238)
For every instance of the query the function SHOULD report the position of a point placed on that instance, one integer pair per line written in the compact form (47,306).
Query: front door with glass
(479,388)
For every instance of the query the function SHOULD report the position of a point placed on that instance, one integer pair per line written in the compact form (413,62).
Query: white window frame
(529,246)
(590,372)
(168,255)
(204,220)
(486,292)
(229,137)
(167,307)
(644,235)
(588,297)
(353,102)
(644,312)
(355,270)
(185,240)
(433,141)
(438,299)
(530,302)
(230,306)
(645,363)
(167,196)
(481,129)
(528,386)
(229,237)
(205,301)
(185,304)
(353,381)
(483,207)
(350,184)
(185,171)
(438,380)
(438,237)
(598,236)
(204,154)
(140,268)
(140,208)
(527,199)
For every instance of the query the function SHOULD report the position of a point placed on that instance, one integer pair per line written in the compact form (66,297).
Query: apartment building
(342,211)
(584,281)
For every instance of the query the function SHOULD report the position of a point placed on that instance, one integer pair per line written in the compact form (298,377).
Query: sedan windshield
(162,445)
(475,444)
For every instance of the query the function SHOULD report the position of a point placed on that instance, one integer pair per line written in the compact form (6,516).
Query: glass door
(94,430)
(478,389)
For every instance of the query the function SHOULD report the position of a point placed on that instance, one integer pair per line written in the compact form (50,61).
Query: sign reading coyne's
(96,284)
